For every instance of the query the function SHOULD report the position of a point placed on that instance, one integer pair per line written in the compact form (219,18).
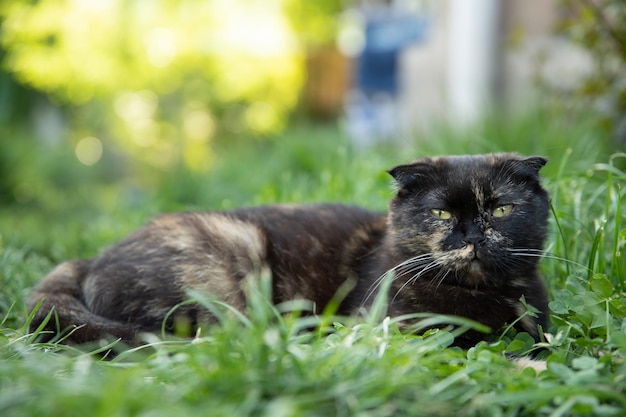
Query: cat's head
(472,214)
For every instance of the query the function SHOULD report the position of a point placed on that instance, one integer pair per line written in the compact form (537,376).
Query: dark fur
(465,265)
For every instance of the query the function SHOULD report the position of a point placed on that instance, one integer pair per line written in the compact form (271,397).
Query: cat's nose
(473,232)
(474,239)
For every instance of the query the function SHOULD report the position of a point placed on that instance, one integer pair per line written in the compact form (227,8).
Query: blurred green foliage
(598,26)
(306,163)
(159,80)
(150,91)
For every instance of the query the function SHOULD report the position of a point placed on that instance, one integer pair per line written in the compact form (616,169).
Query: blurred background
(109,103)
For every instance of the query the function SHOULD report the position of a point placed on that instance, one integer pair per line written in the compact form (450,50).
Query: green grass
(268,363)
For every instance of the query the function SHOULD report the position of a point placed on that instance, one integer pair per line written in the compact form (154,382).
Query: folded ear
(535,162)
(411,176)
(529,167)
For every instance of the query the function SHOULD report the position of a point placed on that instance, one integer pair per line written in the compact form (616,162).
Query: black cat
(455,241)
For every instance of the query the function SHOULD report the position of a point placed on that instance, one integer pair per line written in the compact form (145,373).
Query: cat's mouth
(467,263)
(475,272)
(473,268)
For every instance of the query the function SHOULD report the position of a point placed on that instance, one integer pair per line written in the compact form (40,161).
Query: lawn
(271,364)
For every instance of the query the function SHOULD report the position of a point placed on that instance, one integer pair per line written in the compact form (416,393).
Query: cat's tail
(57,301)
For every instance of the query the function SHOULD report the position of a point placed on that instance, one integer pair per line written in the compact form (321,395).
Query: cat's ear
(410,176)
(535,162)
(530,166)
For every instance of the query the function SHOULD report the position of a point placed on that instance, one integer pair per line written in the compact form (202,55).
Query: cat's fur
(472,264)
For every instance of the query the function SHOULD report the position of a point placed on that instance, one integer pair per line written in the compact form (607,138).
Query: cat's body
(455,239)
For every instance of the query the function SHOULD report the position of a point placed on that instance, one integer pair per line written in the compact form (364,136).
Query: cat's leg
(58,298)
(148,278)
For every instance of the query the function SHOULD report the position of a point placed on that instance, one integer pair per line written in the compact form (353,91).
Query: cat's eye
(503,210)
(441,214)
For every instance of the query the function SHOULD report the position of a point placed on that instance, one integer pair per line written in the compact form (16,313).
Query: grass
(268,363)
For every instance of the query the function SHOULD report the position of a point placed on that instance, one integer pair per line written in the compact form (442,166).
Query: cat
(462,237)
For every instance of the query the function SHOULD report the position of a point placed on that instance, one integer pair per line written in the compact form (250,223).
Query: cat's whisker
(427,268)
(528,251)
(412,261)
(414,278)
(418,271)
(537,253)
(411,264)
(439,278)
(415,268)
(442,279)
(376,284)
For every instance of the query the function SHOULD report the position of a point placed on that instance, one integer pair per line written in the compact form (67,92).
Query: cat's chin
(475,273)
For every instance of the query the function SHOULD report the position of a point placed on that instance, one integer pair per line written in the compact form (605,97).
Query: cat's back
(310,250)
(272,225)
(314,224)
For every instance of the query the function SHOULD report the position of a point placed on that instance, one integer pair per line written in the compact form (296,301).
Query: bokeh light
(89,150)
(161,80)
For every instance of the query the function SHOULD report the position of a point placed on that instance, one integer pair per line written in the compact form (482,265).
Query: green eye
(441,214)
(502,210)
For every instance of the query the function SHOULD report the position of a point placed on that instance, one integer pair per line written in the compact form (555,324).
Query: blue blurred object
(386,35)
(371,112)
